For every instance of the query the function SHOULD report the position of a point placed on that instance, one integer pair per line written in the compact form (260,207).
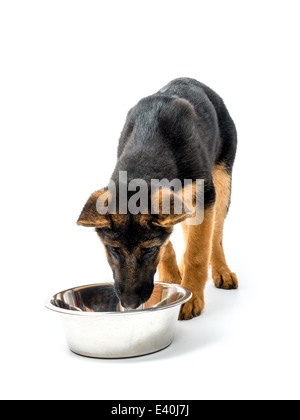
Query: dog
(182,132)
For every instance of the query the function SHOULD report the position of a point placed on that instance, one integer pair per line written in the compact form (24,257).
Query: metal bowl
(96,325)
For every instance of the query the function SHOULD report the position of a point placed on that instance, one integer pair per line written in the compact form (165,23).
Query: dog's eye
(150,251)
(114,250)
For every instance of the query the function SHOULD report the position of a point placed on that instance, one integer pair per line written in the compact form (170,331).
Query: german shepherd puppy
(184,131)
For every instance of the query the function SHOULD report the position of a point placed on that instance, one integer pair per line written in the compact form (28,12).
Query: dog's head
(133,243)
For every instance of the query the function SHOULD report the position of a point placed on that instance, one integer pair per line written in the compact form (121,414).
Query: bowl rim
(187,296)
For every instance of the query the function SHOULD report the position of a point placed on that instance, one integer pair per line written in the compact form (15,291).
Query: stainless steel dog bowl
(96,325)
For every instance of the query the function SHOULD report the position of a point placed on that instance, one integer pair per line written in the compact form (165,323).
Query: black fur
(182,132)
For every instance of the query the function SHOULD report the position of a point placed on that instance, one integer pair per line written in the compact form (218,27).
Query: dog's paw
(225,279)
(191,309)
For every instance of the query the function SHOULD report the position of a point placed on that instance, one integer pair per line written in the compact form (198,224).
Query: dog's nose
(131,306)
(130,303)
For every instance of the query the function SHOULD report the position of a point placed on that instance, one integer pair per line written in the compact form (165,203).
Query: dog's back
(215,121)
(183,131)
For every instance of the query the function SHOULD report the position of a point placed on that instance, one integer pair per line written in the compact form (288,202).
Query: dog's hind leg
(222,276)
(167,268)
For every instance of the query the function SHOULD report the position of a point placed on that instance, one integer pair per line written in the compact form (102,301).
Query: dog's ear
(169,208)
(91,215)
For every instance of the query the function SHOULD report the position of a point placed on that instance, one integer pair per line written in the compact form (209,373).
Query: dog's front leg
(168,270)
(195,263)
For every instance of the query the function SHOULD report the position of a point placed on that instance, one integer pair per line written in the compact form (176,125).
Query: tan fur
(155,298)
(90,216)
(221,274)
(203,244)
(195,263)
(185,239)
(167,267)
(168,220)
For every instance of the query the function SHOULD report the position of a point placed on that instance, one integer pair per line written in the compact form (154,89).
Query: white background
(70,71)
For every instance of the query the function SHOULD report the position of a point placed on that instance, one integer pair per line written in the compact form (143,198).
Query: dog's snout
(131,300)
(128,305)
(134,295)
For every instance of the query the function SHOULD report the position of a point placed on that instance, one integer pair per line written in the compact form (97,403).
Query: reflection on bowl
(96,324)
